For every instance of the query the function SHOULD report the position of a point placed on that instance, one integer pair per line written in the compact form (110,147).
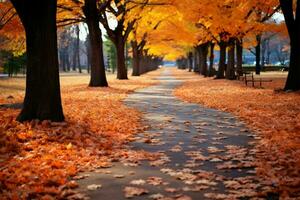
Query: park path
(205,153)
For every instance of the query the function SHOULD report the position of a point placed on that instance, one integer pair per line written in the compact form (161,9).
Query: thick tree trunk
(136,59)
(42,98)
(230,71)
(293,24)
(257,54)
(98,77)
(121,66)
(203,53)
(211,71)
(222,61)
(199,55)
(239,57)
(293,79)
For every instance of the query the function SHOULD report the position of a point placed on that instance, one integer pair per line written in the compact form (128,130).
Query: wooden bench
(249,77)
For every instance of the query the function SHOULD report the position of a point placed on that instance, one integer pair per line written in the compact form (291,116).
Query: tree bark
(203,52)
(42,98)
(230,71)
(77,48)
(211,71)
(257,54)
(98,77)
(121,67)
(293,25)
(222,61)
(136,59)
(239,57)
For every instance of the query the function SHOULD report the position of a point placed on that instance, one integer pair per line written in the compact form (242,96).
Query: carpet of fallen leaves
(272,114)
(38,159)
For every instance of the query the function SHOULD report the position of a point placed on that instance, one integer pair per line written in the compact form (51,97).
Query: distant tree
(111,53)
(14,64)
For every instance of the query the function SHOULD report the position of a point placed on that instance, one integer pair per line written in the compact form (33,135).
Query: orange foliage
(274,116)
(37,157)
(12,36)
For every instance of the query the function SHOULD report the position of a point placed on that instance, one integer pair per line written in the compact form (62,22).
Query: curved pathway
(204,153)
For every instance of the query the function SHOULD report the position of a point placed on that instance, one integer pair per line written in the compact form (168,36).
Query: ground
(38,157)
(271,113)
(152,144)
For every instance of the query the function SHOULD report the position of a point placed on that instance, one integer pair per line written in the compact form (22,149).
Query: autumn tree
(91,12)
(64,41)
(125,14)
(42,98)
(72,12)
(150,19)
(12,36)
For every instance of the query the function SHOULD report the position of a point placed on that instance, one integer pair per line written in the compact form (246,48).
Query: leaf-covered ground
(37,159)
(273,115)
(198,153)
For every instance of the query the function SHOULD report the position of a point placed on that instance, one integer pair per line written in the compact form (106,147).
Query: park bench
(249,78)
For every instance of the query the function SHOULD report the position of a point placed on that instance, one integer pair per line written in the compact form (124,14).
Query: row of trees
(163,28)
(230,27)
(42,99)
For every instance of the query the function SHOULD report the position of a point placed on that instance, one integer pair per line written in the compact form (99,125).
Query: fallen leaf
(134,191)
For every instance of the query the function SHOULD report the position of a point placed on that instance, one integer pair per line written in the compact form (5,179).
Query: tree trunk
(74,60)
(222,61)
(230,71)
(293,26)
(293,79)
(196,61)
(257,54)
(136,59)
(121,66)
(42,98)
(98,77)
(211,71)
(239,57)
(190,61)
(263,53)
(77,48)
(88,53)
(199,55)
(203,52)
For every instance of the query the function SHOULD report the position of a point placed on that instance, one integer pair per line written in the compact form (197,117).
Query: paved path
(205,153)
